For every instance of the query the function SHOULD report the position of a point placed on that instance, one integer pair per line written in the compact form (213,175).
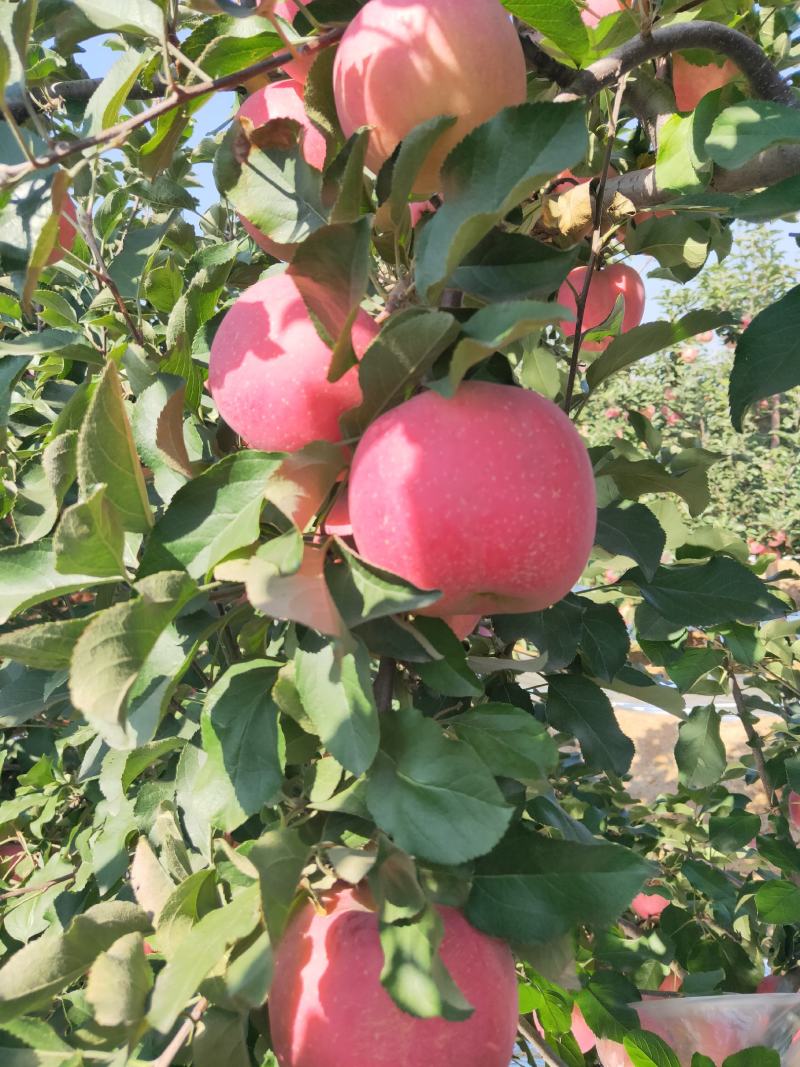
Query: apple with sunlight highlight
(403,62)
(692,83)
(437,484)
(598,9)
(282,100)
(298,68)
(648,905)
(327,1007)
(268,370)
(608,285)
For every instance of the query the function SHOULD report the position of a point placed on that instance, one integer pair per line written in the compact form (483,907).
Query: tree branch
(753,738)
(540,1045)
(117,134)
(541,62)
(182,1035)
(765,79)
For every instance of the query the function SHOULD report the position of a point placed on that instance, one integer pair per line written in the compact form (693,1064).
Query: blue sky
(97,59)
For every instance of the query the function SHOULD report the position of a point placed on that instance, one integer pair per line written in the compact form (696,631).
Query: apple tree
(315,606)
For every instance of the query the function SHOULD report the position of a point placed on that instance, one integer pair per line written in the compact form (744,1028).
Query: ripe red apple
(437,485)
(648,905)
(692,83)
(794,809)
(282,100)
(421,209)
(328,1008)
(402,62)
(673,983)
(298,68)
(11,854)
(598,9)
(607,286)
(585,1037)
(462,625)
(268,370)
(67,222)
(337,522)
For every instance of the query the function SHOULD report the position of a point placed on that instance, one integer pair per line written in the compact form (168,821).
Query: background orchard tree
(221,721)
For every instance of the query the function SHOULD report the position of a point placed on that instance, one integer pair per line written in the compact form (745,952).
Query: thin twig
(117,135)
(753,737)
(552,1059)
(101,273)
(25,890)
(182,1036)
(594,255)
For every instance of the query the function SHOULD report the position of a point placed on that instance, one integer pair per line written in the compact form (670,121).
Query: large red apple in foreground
(692,83)
(608,285)
(268,370)
(438,484)
(282,100)
(328,1008)
(402,62)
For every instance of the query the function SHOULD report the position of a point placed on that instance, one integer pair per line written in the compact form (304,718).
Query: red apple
(689,355)
(337,522)
(420,210)
(268,370)
(462,625)
(648,905)
(585,1037)
(774,983)
(794,806)
(673,983)
(437,484)
(598,9)
(402,62)
(66,232)
(328,1008)
(11,854)
(692,83)
(282,100)
(298,68)
(607,286)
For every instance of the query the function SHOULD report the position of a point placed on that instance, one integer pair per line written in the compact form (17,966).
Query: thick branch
(175,99)
(765,79)
(541,63)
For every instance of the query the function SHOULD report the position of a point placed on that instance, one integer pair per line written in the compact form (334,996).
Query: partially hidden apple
(692,83)
(586,1039)
(436,484)
(598,9)
(794,809)
(608,285)
(11,855)
(298,68)
(403,62)
(67,221)
(648,905)
(282,100)
(268,370)
(327,1007)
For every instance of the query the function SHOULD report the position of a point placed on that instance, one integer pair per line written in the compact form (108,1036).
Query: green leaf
(279,856)
(213,515)
(106,453)
(11,368)
(221,1037)
(335,688)
(531,889)
(414,150)
(47,646)
(694,664)
(198,954)
(363,592)
(28,575)
(605,643)
(407,347)
(632,531)
(579,707)
(636,478)
(451,673)
(268,180)
(348,171)
(511,266)
(719,591)
(119,982)
(240,734)
(649,1050)
(555,631)
(113,650)
(492,170)
(50,964)
(157,425)
(679,168)
(729,833)
(130,264)
(90,538)
(744,130)
(331,271)
(509,740)
(649,338)
(778,902)
(494,328)
(767,357)
(136,16)
(559,20)
(102,110)
(753,1057)
(26,693)
(700,750)
(436,797)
